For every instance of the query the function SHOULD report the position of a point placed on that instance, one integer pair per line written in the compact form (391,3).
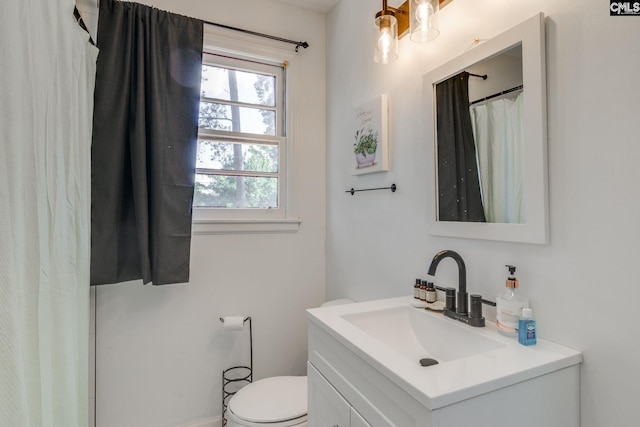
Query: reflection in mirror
(459,196)
(505,191)
(480,142)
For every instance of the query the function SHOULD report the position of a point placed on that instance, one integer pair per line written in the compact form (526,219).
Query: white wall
(161,350)
(584,285)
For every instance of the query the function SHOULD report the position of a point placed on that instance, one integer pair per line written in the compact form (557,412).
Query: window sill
(244,226)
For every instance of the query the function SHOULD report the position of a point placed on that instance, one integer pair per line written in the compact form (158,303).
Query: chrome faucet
(459,311)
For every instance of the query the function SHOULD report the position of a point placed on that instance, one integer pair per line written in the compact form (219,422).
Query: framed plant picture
(369,137)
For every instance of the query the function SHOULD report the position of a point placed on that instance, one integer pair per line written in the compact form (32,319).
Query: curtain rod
(483,76)
(254,33)
(504,92)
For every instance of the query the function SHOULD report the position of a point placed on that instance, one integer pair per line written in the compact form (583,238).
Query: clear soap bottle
(509,305)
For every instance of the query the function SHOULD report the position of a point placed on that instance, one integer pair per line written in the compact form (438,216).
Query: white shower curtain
(47,71)
(498,134)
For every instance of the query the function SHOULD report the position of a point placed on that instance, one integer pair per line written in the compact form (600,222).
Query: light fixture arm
(401,14)
(401,10)
(394,23)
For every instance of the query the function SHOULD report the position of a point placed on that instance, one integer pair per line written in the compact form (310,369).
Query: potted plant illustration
(365,147)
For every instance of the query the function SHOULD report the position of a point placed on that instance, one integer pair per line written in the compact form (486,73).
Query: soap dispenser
(509,305)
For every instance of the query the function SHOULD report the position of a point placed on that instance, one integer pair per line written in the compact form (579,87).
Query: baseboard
(209,422)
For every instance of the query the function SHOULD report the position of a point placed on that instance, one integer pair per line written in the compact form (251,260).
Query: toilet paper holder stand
(234,378)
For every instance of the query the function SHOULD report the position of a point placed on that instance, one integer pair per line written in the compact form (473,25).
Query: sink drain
(428,361)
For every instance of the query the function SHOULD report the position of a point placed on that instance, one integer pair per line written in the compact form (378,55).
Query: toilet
(272,402)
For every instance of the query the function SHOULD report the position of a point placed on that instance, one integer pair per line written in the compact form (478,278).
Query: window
(241,164)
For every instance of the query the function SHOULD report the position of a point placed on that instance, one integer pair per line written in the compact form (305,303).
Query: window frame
(279,139)
(252,220)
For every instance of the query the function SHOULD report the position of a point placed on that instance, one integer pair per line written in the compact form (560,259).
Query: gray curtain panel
(458,182)
(144,147)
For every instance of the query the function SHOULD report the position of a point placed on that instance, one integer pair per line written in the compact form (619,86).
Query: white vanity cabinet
(357,420)
(358,380)
(327,407)
(340,382)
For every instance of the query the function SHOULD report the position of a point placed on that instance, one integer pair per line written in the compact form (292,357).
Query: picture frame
(370,137)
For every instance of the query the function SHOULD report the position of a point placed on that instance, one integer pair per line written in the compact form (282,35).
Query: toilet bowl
(272,402)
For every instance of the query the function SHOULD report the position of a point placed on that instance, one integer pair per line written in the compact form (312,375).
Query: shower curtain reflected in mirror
(499,138)
(459,197)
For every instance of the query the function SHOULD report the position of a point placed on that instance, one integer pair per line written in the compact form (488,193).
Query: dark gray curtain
(144,145)
(458,182)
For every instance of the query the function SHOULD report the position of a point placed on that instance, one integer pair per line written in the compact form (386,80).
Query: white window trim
(288,221)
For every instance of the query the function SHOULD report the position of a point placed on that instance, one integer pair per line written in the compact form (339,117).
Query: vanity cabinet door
(357,420)
(327,408)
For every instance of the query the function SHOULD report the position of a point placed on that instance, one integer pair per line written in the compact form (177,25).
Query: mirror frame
(530,34)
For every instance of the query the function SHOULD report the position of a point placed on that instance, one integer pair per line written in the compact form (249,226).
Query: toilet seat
(276,401)
(233,421)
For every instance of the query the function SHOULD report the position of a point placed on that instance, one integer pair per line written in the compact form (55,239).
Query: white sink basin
(392,337)
(416,334)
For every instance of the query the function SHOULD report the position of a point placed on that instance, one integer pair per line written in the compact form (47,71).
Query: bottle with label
(509,305)
(430,293)
(423,291)
(527,328)
(416,289)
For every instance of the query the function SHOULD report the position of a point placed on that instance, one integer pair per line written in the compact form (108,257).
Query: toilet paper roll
(233,323)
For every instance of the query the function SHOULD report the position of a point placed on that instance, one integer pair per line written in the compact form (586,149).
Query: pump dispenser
(512,282)
(509,305)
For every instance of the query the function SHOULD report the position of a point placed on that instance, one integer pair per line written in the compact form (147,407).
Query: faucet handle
(475,314)
(450,299)
(476,306)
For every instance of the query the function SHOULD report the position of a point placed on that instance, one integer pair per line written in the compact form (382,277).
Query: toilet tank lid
(271,400)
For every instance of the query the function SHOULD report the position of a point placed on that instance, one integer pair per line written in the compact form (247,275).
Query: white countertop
(449,381)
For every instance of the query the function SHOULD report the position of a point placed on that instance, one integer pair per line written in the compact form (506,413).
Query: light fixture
(423,16)
(419,17)
(386,49)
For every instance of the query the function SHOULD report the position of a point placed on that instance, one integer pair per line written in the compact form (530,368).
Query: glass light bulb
(423,12)
(424,20)
(384,43)
(386,47)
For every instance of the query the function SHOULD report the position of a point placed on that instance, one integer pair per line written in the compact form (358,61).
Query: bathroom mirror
(484,186)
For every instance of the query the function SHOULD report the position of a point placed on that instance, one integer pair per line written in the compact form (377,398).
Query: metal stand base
(233,379)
